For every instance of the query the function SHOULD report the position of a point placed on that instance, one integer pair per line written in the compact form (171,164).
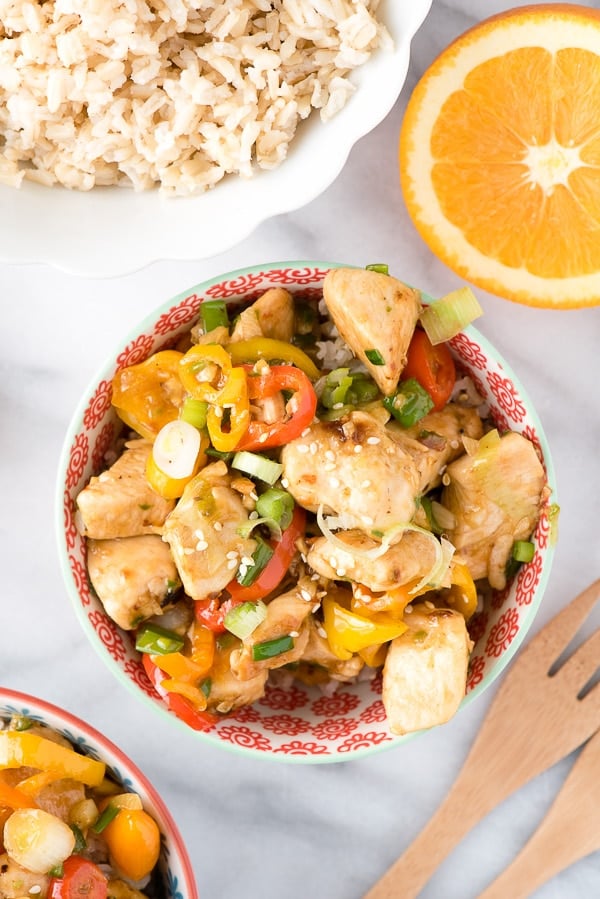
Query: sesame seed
(218,411)
(429,604)
(329,466)
(253,515)
(313,449)
(247,560)
(408,610)
(315,576)
(306,595)
(199,534)
(330,455)
(294,634)
(218,526)
(366,519)
(332,561)
(373,441)
(302,448)
(35,889)
(253,496)
(446,480)
(316,607)
(242,570)
(341,572)
(232,564)
(338,406)
(188,550)
(358,448)
(232,554)
(285,483)
(263,438)
(454,444)
(305,432)
(334,482)
(365,484)
(322,632)
(201,545)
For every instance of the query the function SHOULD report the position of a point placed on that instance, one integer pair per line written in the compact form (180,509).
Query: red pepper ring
(179,705)
(261,435)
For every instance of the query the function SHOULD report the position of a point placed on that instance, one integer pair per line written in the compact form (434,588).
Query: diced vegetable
(244,618)
(523,551)
(157,640)
(257,466)
(449,315)
(432,366)
(214,315)
(271,648)
(348,632)
(375,357)
(277,505)
(37,840)
(194,412)
(300,408)
(17,749)
(409,404)
(261,556)
(380,267)
(148,395)
(79,877)
(110,812)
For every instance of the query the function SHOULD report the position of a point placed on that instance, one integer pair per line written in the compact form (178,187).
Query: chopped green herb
(261,558)
(214,315)
(157,640)
(277,505)
(206,686)
(56,871)
(409,404)
(219,454)
(80,842)
(108,815)
(377,533)
(375,357)
(194,412)
(271,648)
(244,618)
(380,267)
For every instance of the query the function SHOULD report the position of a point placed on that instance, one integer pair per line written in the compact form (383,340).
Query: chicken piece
(202,532)
(436,440)
(495,497)
(17,882)
(425,670)
(59,797)
(373,312)
(354,468)
(287,615)
(228,692)
(272,315)
(318,653)
(134,577)
(120,502)
(412,557)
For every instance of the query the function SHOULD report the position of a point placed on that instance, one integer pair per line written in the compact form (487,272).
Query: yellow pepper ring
(197,360)
(267,348)
(29,750)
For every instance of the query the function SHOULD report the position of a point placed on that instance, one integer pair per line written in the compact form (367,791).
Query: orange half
(500,155)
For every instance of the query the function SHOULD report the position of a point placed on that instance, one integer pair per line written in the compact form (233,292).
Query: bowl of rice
(290,719)
(25,719)
(171,131)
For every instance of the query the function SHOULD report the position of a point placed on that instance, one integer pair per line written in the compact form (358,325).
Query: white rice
(174,93)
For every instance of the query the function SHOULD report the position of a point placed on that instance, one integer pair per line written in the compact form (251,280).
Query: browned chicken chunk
(272,315)
(120,502)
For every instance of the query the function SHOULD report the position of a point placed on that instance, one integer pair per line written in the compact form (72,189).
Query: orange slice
(500,155)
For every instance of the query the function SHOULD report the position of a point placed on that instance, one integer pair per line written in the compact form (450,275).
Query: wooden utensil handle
(463,807)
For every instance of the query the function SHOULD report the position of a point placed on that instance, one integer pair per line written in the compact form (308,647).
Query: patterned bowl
(299,723)
(174,863)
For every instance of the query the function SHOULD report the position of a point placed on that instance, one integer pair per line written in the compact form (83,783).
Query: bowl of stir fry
(306,511)
(77,818)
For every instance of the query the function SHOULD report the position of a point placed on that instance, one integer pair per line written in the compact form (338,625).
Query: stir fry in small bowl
(77,818)
(306,510)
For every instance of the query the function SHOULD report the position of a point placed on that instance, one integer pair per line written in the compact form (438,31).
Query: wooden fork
(534,721)
(570,831)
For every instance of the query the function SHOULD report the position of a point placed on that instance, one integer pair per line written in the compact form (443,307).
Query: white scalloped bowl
(299,723)
(112,231)
(174,864)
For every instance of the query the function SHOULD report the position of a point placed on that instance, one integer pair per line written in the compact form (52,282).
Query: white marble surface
(261,829)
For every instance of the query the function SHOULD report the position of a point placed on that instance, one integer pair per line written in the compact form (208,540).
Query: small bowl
(174,863)
(127,230)
(299,723)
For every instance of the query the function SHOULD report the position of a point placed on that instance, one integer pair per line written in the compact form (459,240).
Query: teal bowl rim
(113,665)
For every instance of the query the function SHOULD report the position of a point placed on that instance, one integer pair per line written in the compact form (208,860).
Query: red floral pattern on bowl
(296,722)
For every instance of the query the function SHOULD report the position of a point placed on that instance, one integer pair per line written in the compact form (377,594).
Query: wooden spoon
(569,832)
(535,720)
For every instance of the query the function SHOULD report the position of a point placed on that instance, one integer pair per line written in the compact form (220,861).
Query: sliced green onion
(363,390)
(214,315)
(260,559)
(157,640)
(449,315)
(80,841)
(337,384)
(375,357)
(194,412)
(426,505)
(304,318)
(243,619)
(108,815)
(20,722)
(523,551)
(380,267)
(276,504)
(271,648)
(224,641)
(553,513)
(409,404)
(219,454)
(176,448)
(56,871)
(257,466)
(206,686)
(244,530)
